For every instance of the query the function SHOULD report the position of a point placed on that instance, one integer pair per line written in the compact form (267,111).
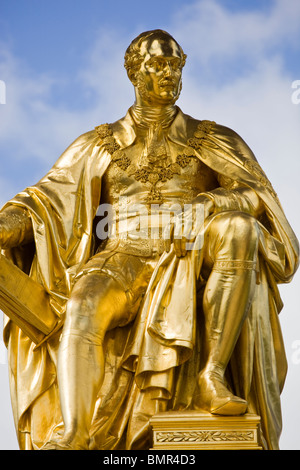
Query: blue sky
(55,38)
(63,59)
(28,25)
(62,63)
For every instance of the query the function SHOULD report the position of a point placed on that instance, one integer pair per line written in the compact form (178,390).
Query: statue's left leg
(231,250)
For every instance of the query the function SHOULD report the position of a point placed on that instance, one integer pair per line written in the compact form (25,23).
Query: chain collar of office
(158,167)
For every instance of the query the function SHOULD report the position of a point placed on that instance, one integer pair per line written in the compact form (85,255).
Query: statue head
(154,62)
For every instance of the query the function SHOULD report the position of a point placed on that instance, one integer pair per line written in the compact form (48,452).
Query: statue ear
(133,78)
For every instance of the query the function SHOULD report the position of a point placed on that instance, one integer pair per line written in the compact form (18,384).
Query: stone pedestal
(193,430)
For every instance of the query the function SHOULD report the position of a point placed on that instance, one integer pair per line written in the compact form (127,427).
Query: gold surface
(151,323)
(203,431)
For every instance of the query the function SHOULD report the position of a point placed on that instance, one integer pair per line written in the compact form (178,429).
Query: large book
(25,302)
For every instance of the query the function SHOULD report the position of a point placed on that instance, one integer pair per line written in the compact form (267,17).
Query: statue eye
(175,63)
(155,64)
(158,64)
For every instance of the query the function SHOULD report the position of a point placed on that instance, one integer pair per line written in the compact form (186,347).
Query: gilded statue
(160,244)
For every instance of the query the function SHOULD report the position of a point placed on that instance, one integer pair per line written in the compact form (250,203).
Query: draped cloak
(152,363)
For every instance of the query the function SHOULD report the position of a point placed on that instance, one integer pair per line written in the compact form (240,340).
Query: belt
(138,247)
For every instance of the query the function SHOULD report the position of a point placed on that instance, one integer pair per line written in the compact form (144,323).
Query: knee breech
(107,297)
(231,237)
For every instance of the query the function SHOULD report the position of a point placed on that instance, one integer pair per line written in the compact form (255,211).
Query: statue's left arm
(233,196)
(245,187)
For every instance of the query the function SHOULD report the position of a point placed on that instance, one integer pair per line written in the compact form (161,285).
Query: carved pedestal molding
(202,431)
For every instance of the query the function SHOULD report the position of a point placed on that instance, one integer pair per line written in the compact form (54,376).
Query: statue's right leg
(98,303)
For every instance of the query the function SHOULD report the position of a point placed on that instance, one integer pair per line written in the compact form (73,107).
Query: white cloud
(105,76)
(38,125)
(29,121)
(209,30)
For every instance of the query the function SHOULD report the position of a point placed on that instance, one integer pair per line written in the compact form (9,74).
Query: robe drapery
(151,364)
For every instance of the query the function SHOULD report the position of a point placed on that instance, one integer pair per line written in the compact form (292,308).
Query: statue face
(159,78)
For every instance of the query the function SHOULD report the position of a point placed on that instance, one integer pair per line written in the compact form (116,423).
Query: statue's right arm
(15,227)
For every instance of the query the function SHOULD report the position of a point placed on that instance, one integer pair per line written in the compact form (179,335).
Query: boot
(227,298)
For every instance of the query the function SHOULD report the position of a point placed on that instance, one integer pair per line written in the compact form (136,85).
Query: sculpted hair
(133,58)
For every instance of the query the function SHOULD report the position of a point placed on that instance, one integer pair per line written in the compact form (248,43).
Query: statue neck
(149,116)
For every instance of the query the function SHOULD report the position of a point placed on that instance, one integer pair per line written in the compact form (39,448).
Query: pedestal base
(193,430)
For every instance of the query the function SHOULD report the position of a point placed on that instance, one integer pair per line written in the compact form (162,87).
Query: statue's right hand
(3,231)
(15,227)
